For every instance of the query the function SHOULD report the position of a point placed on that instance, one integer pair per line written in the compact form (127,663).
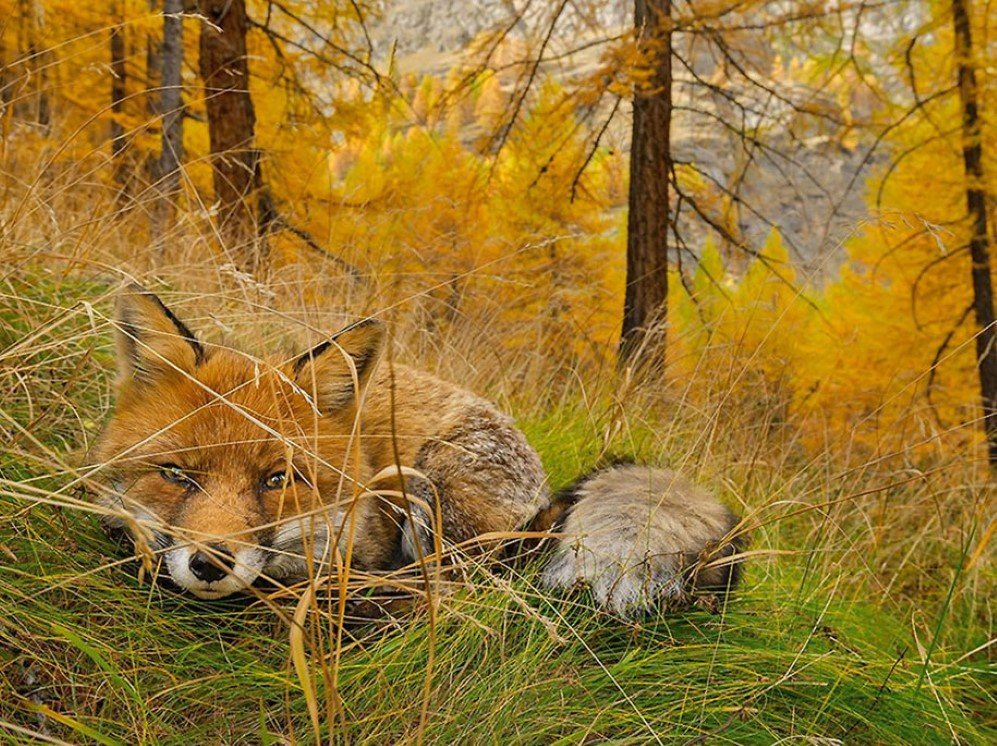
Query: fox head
(231,467)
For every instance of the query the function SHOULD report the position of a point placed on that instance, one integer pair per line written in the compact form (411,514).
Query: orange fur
(228,422)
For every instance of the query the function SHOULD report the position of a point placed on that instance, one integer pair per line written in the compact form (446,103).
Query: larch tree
(976,206)
(235,160)
(170,107)
(644,310)
(152,93)
(5,92)
(723,69)
(33,105)
(119,80)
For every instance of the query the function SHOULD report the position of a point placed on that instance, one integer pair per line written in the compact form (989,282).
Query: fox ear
(151,340)
(327,370)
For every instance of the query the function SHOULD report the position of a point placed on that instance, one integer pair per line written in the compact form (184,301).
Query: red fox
(235,469)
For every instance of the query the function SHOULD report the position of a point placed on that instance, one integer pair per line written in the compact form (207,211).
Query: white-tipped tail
(637,537)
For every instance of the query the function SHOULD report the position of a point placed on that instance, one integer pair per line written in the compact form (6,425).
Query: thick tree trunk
(231,124)
(976,204)
(118,84)
(171,98)
(169,103)
(642,341)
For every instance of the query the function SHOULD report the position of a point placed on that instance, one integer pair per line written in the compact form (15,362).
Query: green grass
(134,663)
(810,648)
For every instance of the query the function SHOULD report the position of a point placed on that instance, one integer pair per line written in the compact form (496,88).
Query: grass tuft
(865,616)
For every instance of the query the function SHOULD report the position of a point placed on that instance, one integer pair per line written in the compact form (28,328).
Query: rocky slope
(808,185)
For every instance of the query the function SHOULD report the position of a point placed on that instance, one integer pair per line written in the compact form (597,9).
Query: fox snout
(217,537)
(213,564)
(209,568)
(213,570)
(214,550)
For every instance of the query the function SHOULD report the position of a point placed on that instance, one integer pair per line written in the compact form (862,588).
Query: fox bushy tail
(640,538)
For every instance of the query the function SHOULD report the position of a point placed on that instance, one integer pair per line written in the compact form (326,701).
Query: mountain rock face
(808,185)
(447,26)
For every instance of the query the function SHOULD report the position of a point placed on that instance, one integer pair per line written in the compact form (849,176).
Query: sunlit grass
(865,615)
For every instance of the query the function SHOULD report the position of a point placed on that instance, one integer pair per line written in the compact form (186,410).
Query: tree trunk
(153,62)
(171,96)
(231,122)
(170,108)
(118,81)
(642,342)
(976,204)
(32,106)
(5,93)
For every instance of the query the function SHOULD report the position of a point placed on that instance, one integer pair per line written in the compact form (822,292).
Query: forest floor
(853,624)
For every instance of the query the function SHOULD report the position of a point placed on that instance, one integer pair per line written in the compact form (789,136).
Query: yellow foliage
(464,217)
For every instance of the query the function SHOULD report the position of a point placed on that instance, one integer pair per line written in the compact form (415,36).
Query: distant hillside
(811,187)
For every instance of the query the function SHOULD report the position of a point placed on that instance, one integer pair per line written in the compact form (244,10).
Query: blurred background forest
(467,166)
(748,238)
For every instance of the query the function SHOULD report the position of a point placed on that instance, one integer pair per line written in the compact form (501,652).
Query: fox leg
(480,477)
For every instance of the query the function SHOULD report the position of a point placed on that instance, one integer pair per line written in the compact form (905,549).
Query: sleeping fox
(236,470)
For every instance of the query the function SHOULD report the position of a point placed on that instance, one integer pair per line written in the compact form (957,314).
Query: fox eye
(275,481)
(176,475)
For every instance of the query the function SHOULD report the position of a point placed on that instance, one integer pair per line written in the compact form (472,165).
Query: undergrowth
(865,615)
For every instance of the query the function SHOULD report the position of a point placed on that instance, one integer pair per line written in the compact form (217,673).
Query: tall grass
(866,614)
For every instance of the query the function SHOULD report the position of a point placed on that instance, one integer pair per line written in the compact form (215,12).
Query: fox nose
(212,565)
